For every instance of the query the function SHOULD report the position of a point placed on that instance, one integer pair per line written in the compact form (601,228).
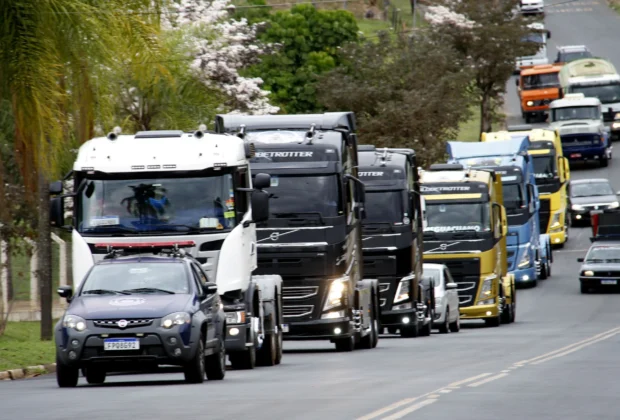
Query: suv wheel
(215,365)
(195,370)
(66,376)
(95,375)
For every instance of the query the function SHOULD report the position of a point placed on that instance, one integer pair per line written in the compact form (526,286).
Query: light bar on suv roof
(120,245)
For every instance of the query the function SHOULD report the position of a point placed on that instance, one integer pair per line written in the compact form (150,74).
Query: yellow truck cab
(552,172)
(466,227)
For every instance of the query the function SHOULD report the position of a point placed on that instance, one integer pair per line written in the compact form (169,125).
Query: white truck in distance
(166,187)
(538,35)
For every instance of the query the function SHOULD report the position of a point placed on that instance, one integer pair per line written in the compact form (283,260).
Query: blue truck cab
(528,251)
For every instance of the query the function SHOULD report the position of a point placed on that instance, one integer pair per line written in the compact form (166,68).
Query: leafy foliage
(309,41)
(405,93)
(488,36)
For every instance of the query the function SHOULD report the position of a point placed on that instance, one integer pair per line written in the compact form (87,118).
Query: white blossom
(441,15)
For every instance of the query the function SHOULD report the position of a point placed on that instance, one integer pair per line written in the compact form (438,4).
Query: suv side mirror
(209,288)
(65,292)
(261,181)
(580,260)
(260,205)
(451,286)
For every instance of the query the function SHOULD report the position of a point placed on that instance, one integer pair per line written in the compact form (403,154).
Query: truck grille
(466,273)
(577,140)
(113,323)
(544,214)
(299,292)
(294,311)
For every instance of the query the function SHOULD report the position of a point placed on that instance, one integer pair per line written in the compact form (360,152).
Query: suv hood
(130,306)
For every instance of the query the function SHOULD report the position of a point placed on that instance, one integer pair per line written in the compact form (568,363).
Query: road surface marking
(506,371)
(434,396)
(445,391)
(410,409)
(487,380)
(546,355)
(473,378)
(574,349)
(389,408)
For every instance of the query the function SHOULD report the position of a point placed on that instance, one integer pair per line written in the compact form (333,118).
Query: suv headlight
(402,291)
(236,317)
(337,293)
(74,322)
(487,287)
(614,205)
(588,273)
(525,259)
(177,318)
(577,207)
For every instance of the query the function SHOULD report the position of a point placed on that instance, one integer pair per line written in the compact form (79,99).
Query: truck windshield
(136,278)
(292,194)
(576,113)
(454,217)
(384,206)
(158,205)
(607,94)
(514,197)
(544,167)
(572,56)
(539,81)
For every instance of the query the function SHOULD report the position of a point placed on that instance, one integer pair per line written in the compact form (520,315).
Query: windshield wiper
(117,227)
(148,290)
(298,214)
(595,260)
(105,292)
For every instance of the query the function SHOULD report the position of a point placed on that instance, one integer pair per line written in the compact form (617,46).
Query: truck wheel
(543,271)
(266,356)
(279,346)
(493,322)
(66,376)
(506,314)
(604,162)
(95,375)
(244,359)
(370,340)
(215,364)
(410,330)
(194,371)
(345,344)
(443,328)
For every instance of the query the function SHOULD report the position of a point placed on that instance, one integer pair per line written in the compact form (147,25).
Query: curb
(29,372)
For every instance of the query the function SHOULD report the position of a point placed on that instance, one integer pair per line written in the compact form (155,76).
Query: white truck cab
(538,35)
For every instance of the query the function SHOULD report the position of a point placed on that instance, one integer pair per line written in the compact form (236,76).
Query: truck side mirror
(261,181)
(580,260)
(260,205)
(517,82)
(57,217)
(56,188)
(65,292)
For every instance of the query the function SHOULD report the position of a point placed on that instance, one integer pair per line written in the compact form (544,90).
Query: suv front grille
(113,323)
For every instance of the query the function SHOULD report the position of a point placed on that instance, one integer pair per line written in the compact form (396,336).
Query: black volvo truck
(313,237)
(392,239)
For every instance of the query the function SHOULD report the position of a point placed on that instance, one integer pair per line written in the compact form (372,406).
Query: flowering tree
(488,34)
(220,47)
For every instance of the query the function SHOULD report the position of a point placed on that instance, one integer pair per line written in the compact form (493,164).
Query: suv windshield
(607,94)
(157,205)
(133,278)
(384,206)
(591,189)
(454,217)
(538,81)
(604,253)
(293,194)
(575,113)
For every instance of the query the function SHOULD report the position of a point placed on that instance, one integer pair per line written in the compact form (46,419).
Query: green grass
(470,130)
(20,346)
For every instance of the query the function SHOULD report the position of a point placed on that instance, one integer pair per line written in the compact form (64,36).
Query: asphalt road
(559,360)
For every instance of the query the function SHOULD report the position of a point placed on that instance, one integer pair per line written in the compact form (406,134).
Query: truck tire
(493,322)
(194,370)
(215,364)
(243,360)
(95,375)
(543,271)
(370,340)
(410,330)
(345,344)
(456,325)
(66,376)
(266,356)
(604,162)
(279,333)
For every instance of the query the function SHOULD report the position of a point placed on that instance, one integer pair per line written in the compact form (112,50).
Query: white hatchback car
(446,298)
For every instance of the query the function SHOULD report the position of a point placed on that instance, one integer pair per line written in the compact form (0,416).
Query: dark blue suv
(134,311)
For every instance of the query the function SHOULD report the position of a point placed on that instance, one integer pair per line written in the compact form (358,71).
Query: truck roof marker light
(113,135)
(120,245)
(311,133)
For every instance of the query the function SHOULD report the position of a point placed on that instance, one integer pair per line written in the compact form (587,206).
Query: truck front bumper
(557,238)
(585,155)
(524,275)
(398,317)
(237,337)
(480,312)
(321,329)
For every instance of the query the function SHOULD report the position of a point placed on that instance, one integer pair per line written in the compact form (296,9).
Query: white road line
(487,380)
(570,250)
(543,356)
(506,371)
(473,378)
(445,391)
(574,349)
(389,408)
(410,409)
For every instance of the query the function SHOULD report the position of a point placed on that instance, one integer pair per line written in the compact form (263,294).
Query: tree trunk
(9,271)
(486,115)
(44,248)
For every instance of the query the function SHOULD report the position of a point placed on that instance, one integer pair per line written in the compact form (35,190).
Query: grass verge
(21,347)
(470,130)
(614,4)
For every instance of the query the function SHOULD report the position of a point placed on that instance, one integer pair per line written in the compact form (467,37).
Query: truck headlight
(614,205)
(74,322)
(235,317)
(486,302)
(402,291)
(337,293)
(177,318)
(529,103)
(577,207)
(588,273)
(525,260)
(555,222)
(487,287)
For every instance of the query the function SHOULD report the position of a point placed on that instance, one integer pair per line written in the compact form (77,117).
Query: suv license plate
(285,328)
(121,344)
(575,155)
(609,281)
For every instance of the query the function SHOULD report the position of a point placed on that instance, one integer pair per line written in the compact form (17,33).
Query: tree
(405,92)
(488,35)
(309,41)
(48,49)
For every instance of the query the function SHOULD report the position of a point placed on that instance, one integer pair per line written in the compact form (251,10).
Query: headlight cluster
(74,322)
(486,291)
(236,317)
(588,273)
(614,205)
(555,222)
(337,293)
(402,291)
(177,318)
(577,207)
(525,259)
